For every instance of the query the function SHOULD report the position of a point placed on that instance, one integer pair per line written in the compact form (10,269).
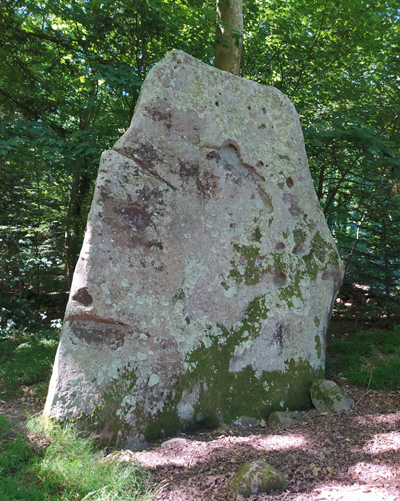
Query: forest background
(70,75)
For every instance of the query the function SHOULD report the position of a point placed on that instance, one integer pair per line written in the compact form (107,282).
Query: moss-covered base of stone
(108,422)
(229,395)
(223,396)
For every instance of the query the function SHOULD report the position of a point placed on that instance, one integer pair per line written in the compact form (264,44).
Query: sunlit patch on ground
(271,442)
(383,442)
(373,472)
(374,419)
(191,452)
(351,493)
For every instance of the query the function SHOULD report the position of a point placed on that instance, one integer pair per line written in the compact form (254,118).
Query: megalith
(207,275)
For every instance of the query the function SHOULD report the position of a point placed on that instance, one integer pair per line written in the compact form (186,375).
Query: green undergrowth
(68,468)
(369,358)
(26,361)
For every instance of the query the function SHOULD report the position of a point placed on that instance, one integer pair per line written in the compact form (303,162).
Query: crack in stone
(127,152)
(95,318)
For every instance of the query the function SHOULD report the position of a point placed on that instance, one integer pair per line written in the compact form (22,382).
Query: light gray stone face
(207,276)
(328,397)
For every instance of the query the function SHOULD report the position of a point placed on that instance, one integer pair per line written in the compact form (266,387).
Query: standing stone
(207,276)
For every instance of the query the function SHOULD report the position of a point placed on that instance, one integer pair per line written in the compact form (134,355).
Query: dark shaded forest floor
(354,456)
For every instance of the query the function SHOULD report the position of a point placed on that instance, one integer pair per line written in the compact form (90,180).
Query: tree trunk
(229,37)
(68,243)
(386,258)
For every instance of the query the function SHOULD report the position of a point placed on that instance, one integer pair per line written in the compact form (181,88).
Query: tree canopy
(70,76)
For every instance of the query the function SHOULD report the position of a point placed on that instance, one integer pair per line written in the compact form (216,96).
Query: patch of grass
(368,358)
(350,347)
(349,362)
(68,469)
(14,449)
(26,359)
(15,452)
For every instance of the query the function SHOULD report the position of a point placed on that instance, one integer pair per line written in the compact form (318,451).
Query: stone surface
(246,421)
(328,397)
(257,477)
(175,442)
(281,419)
(207,275)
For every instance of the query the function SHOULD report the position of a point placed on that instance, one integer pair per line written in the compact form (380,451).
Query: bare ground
(352,456)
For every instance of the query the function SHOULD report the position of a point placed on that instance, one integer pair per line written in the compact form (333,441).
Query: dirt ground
(352,456)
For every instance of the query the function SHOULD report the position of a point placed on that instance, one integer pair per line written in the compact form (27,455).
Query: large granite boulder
(207,275)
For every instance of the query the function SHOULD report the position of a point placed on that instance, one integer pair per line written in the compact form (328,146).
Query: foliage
(337,61)
(368,358)
(69,81)
(69,468)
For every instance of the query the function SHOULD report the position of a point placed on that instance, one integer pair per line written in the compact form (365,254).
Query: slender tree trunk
(76,215)
(385,252)
(2,3)
(68,244)
(229,36)
(321,180)
(37,229)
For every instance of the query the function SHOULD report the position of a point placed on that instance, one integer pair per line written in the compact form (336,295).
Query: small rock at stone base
(256,477)
(175,441)
(247,421)
(328,397)
(281,419)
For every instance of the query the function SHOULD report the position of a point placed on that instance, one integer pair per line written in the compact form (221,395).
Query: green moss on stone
(108,416)
(333,257)
(295,268)
(257,235)
(166,423)
(223,396)
(180,295)
(327,395)
(316,258)
(292,290)
(318,346)
(253,269)
(299,235)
